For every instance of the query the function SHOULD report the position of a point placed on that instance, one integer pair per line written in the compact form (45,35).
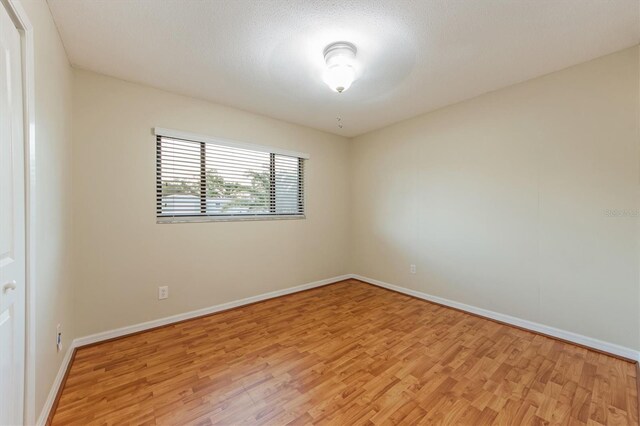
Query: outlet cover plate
(163,292)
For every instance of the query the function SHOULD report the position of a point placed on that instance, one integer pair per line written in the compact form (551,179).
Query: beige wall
(122,255)
(500,201)
(53,286)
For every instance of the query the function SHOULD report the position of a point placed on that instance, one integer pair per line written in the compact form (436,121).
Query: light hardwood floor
(345,354)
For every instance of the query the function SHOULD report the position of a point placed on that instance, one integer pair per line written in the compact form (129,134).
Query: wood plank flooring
(345,354)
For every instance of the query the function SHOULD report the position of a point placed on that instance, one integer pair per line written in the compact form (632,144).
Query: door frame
(21,20)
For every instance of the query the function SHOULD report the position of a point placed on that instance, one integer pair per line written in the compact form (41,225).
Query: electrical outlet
(59,337)
(163,292)
(412,269)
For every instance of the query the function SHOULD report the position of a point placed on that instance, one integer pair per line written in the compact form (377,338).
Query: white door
(12,226)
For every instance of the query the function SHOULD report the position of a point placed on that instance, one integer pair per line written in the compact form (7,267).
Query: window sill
(201,219)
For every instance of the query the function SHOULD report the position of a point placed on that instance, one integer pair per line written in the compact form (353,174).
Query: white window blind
(200,180)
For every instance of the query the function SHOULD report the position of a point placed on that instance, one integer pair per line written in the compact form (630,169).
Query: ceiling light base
(339,49)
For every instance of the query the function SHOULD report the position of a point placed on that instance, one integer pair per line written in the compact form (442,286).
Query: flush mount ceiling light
(340,58)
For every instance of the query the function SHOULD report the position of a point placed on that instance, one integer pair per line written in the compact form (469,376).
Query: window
(201,179)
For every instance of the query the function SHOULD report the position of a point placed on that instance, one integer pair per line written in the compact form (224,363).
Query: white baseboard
(98,337)
(42,419)
(529,325)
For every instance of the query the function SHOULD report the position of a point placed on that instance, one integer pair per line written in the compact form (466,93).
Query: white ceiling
(265,56)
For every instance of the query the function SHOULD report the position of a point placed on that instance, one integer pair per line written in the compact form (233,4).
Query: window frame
(160,133)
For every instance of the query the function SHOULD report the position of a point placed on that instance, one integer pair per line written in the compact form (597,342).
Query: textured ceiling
(266,56)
